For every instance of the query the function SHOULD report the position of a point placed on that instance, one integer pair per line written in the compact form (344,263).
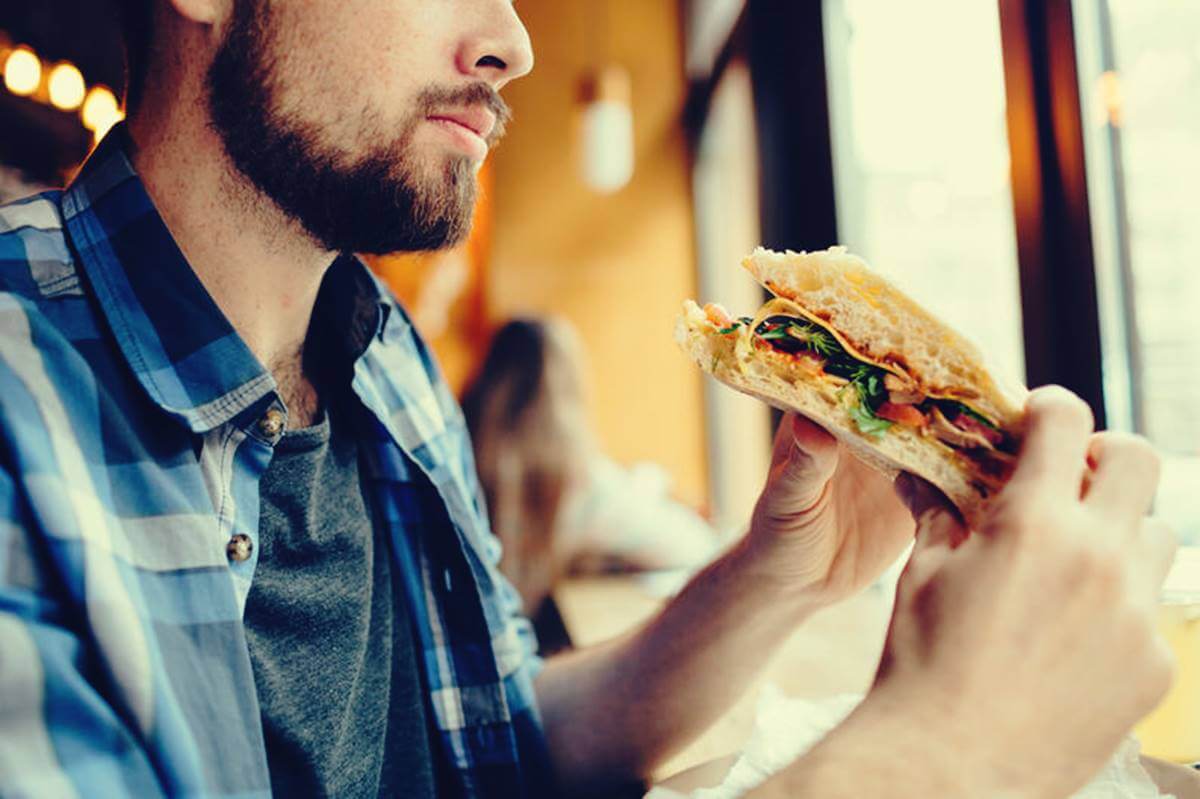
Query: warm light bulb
(66,87)
(1108,87)
(22,71)
(100,111)
(607,145)
(607,134)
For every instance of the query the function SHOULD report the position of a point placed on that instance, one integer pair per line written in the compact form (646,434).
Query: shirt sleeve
(58,736)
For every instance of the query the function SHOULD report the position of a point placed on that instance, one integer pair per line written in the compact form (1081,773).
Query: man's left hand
(826,525)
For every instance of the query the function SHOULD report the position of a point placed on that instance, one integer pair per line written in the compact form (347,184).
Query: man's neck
(262,270)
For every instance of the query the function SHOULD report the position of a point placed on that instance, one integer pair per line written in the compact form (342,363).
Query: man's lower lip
(466,138)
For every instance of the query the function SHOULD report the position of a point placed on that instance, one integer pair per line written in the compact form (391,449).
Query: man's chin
(429,241)
(382,207)
(436,223)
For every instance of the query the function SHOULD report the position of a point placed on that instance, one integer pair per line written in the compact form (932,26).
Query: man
(244,550)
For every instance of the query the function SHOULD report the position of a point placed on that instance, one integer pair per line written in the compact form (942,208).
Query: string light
(100,111)
(66,87)
(22,72)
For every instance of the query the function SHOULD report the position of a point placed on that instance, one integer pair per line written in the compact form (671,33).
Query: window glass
(727,229)
(921,159)
(1140,76)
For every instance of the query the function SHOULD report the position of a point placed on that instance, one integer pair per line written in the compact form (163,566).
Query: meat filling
(884,398)
(902,391)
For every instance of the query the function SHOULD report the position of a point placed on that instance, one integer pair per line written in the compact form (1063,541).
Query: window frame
(784,43)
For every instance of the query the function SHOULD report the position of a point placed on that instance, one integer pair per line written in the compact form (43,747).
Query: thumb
(803,461)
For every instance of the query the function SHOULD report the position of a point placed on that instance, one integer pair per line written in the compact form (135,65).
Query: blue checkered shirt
(135,426)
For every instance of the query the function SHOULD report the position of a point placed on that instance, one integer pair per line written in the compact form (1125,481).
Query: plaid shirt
(135,426)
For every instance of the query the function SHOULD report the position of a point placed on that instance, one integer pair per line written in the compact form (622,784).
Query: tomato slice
(901,414)
(718,315)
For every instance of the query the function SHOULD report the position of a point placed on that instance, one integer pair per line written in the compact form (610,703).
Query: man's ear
(202,12)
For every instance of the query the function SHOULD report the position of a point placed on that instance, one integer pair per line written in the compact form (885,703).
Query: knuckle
(1010,508)
(1132,449)
(1021,518)
(1104,522)
(1060,405)
(1100,572)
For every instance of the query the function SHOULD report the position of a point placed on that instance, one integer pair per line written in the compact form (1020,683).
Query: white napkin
(787,728)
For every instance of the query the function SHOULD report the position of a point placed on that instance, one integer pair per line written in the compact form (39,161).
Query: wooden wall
(616,266)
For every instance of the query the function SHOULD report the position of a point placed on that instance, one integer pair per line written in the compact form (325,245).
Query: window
(922,183)
(1140,84)
(727,228)
(921,159)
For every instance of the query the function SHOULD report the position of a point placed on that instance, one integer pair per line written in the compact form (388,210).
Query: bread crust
(782,382)
(888,326)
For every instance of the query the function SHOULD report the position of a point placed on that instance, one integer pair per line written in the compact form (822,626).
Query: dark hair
(137,26)
(525,410)
(515,361)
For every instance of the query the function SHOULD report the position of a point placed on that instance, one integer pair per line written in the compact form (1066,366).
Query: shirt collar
(184,351)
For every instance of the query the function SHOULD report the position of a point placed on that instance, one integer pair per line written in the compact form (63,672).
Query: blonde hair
(528,422)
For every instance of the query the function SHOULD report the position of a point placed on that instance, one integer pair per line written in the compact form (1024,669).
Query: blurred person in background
(243,548)
(555,500)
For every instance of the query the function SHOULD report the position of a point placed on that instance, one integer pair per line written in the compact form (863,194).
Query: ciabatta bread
(884,323)
(884,326)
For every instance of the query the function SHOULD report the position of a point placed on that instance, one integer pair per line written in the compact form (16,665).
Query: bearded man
(243,551)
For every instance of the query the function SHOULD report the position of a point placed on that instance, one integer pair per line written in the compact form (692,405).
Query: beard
(377,202)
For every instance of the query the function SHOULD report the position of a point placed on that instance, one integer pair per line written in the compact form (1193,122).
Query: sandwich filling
(878,395)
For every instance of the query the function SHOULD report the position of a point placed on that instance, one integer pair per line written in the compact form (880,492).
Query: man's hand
(1017,657)
(826,524)
(1026,652)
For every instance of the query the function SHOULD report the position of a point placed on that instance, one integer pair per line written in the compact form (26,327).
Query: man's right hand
(1020,656)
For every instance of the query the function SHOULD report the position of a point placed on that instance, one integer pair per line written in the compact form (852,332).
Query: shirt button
(239,547)
(271,424)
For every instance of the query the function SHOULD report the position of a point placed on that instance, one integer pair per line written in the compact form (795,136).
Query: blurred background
(1029,170)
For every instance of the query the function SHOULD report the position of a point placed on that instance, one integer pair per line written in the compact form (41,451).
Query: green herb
(727,330)
(809,336)
(866,380)
(774,334)
(814,339)
(869,393)
(863,371)
(867,422)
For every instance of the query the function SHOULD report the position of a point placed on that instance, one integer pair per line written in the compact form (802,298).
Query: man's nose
(499,50)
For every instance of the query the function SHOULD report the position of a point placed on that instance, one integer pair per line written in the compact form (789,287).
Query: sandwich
(845,348)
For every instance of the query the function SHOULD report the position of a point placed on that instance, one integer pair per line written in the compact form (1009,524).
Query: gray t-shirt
(334,660)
